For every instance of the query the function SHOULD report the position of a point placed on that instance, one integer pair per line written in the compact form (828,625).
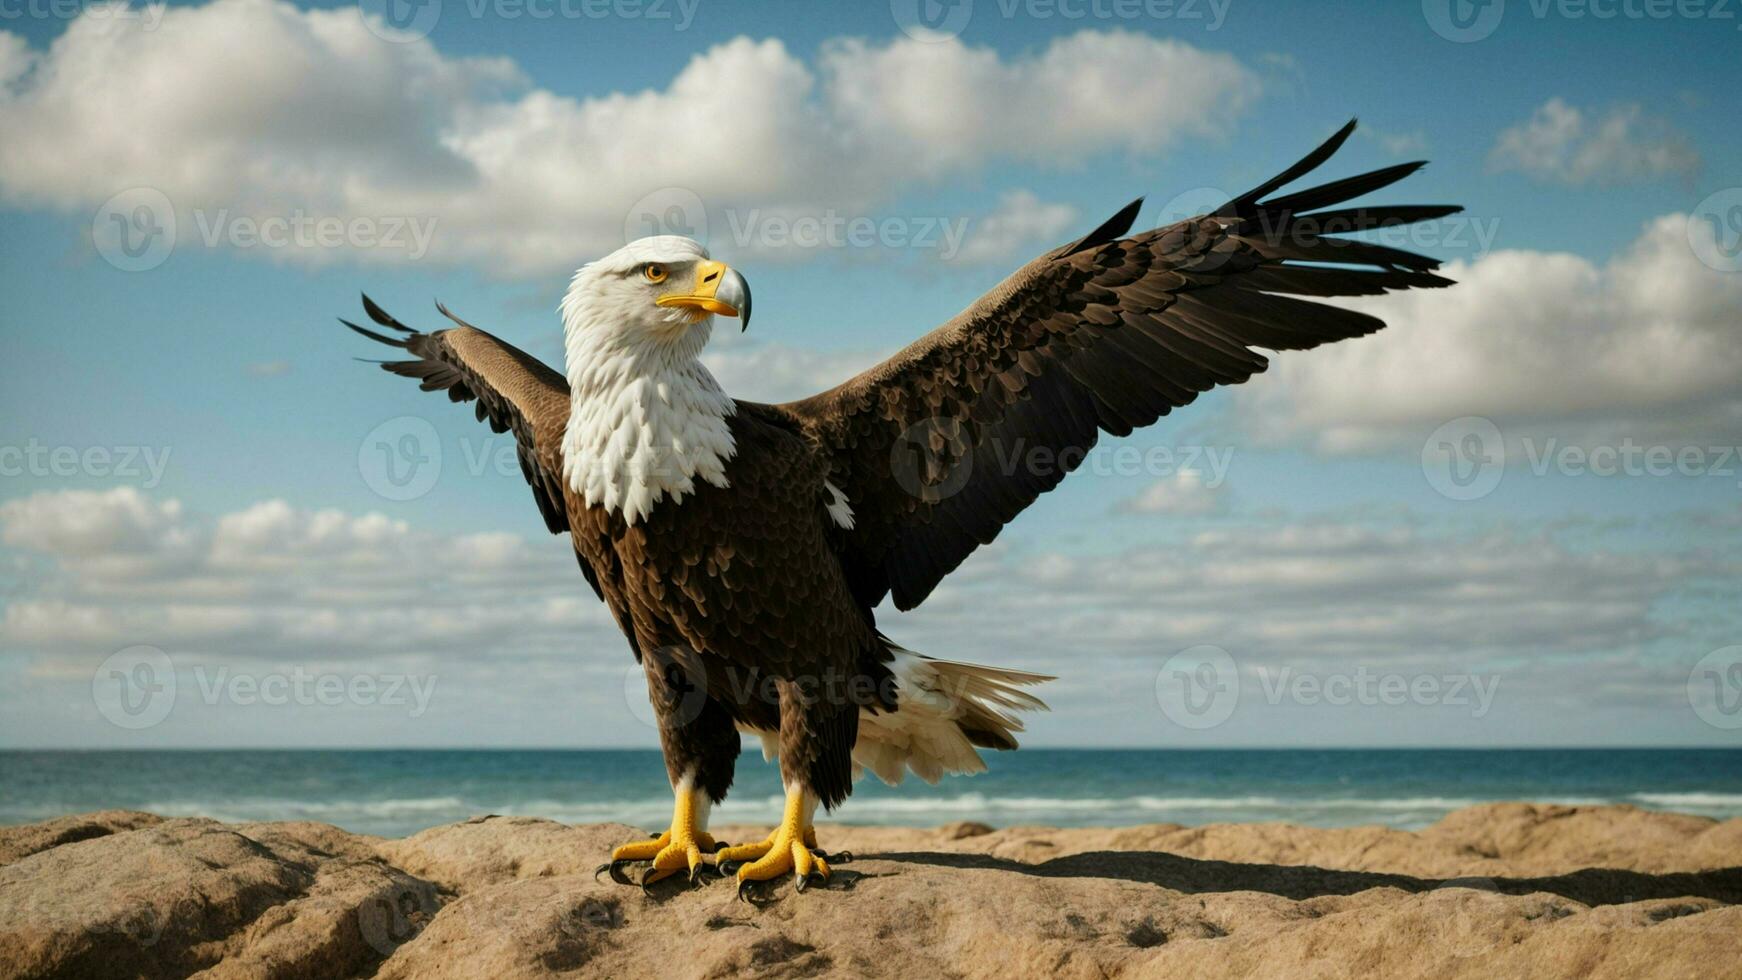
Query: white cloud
(15,60)
(1021,227)
(523,649)
(256,108)
(272,581)
(119,533)
(942,106)
(776,372)
(1647,345)
(1184,494)
(1566,144)
(1387,593)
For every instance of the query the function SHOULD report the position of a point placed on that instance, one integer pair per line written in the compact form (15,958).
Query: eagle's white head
(647,420)
(654,296)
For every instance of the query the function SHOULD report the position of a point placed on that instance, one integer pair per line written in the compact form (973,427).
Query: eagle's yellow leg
(789,848)
(679,847)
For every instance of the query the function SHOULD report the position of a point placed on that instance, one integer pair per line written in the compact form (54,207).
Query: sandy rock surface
(1505,890)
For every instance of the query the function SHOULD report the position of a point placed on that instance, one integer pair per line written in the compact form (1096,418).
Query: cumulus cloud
(1315,589)
(768,372)
(515,636)
(276,582)
(1647,345)
(1021,222)
(1565,144)
(256,108)
(1184,494)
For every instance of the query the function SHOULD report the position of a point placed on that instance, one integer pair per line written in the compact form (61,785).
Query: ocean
(394,792)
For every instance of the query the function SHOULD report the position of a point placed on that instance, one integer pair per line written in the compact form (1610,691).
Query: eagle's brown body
(734,602)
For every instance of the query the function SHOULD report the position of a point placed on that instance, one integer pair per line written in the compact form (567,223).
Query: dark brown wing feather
(514,392)
(941,445)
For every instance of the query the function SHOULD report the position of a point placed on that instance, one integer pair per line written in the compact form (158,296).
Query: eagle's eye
(654,272)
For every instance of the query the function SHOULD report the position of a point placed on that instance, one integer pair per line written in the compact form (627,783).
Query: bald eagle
(742,547)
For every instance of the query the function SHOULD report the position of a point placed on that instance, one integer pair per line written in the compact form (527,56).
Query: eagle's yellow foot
(679,847)
(790,848)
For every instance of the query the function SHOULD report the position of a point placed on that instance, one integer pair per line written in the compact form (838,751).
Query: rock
(21,842)
(1506,890)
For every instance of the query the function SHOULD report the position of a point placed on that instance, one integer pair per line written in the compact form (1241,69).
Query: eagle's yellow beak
(717,289)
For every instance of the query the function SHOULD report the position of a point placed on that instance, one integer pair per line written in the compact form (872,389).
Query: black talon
(601,869)
(728,867)
(750,891)
(814,878)
(646,880)
(616,868)
(844,857)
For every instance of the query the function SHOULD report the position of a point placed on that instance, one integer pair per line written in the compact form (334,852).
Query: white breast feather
(646,419)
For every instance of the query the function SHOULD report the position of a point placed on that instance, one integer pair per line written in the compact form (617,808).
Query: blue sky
(1582,148)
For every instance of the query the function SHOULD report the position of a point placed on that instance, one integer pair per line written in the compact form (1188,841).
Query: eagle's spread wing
(514,391)
(941,445)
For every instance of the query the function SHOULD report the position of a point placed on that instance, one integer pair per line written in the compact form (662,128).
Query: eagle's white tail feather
(946,709)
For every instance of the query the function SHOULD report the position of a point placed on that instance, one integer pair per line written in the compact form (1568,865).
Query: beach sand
(1500,890)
